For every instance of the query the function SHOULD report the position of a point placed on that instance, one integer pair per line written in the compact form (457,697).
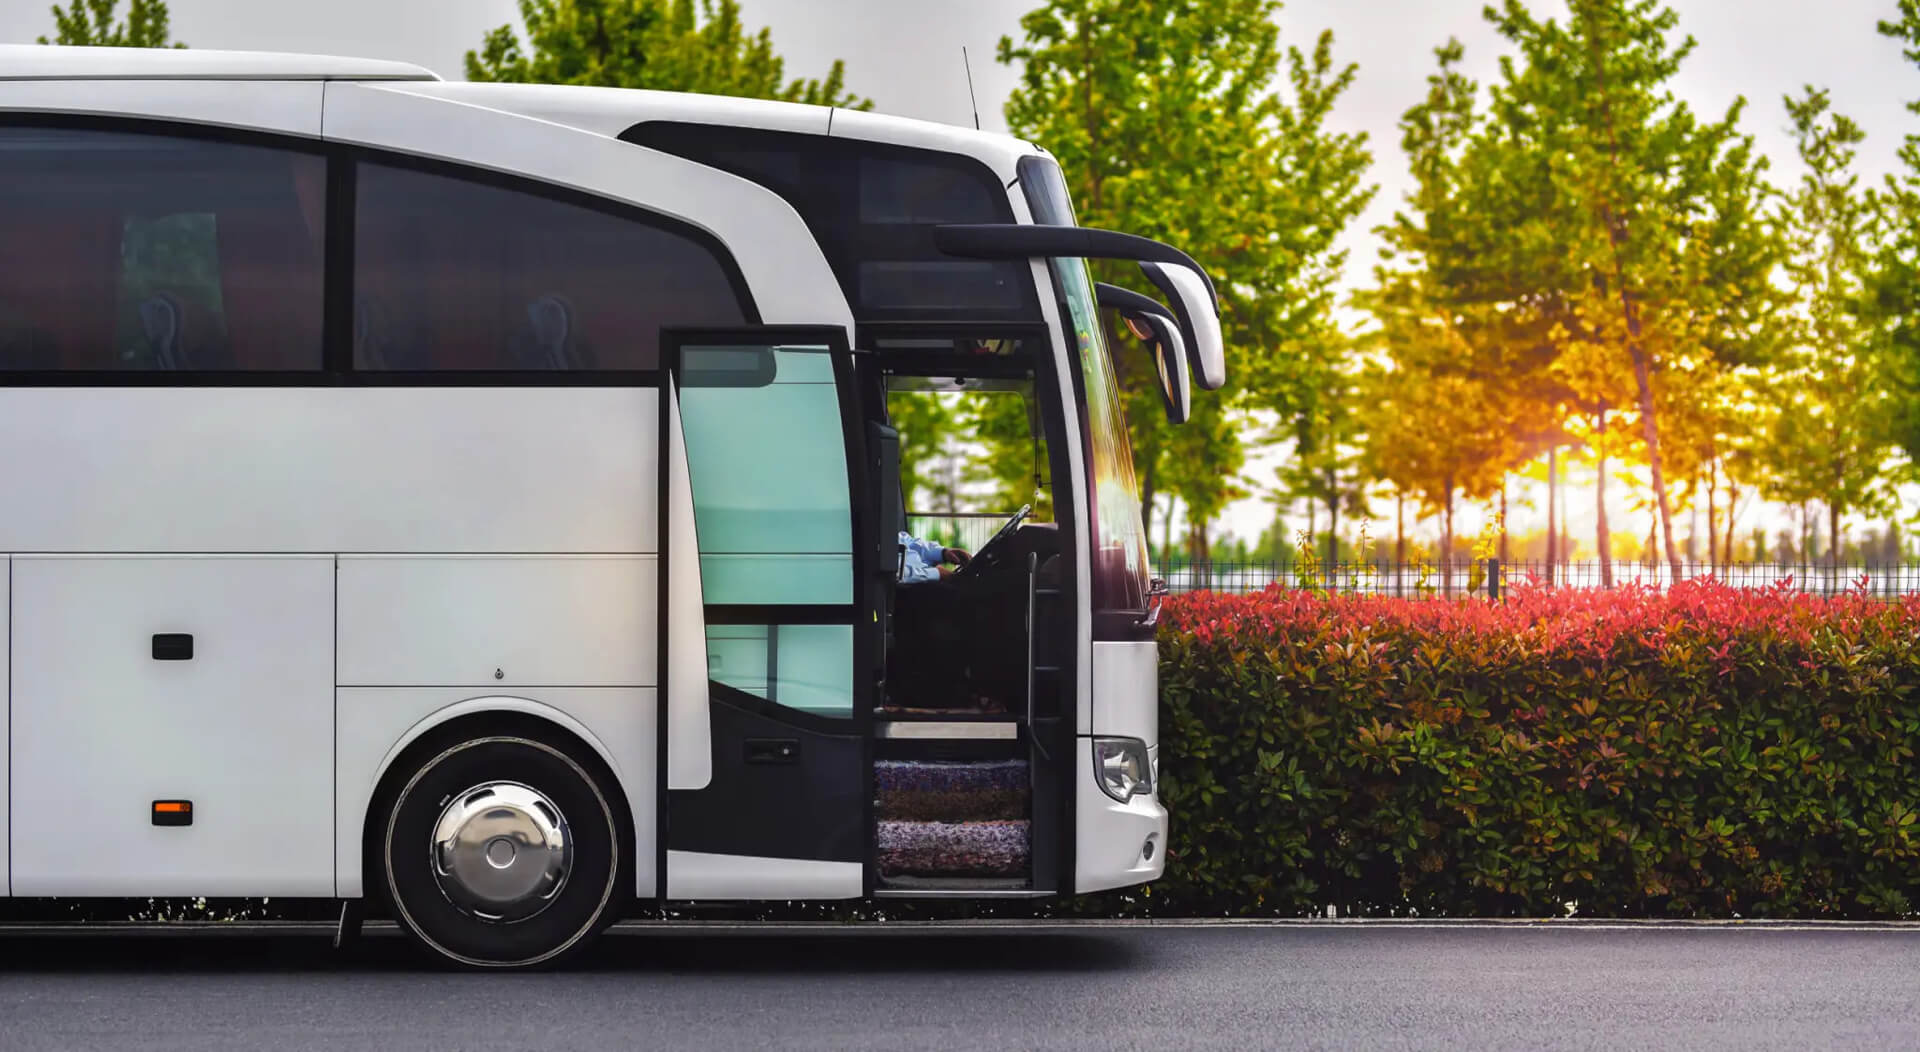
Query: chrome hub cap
(501,852)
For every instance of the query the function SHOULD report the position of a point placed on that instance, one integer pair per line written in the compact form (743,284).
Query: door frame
(835,339)
(1062,422)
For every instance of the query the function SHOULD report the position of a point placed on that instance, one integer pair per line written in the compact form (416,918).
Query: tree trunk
(1642,370)
(1713,533)
(1199,551)
(1333,522)
(1553,517)
(1166,527)
(1601,536)
(1446,541)
(1642,376)
(1693,526)
(1833,533)
(1806,534)
(1399,529)
(1506,550)
(1399,539)
(1733,502)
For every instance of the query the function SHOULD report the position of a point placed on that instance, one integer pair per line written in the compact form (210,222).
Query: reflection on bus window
(536,284)
(768,465)
(136,252)
(805,667)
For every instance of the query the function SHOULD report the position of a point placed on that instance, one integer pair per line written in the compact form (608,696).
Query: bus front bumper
(1116,845)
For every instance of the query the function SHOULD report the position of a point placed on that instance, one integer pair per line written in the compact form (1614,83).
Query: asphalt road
(1161,987)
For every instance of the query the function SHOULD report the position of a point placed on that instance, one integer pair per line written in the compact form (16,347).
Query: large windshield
(1119,538)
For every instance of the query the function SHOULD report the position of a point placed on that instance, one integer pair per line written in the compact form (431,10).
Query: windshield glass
(1119,538)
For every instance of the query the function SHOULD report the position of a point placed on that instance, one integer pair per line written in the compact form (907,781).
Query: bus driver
(926,561)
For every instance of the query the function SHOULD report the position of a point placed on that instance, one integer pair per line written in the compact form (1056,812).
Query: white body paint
(359,565)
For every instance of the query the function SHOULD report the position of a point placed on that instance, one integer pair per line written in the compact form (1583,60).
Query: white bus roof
(603,111)
(43,62)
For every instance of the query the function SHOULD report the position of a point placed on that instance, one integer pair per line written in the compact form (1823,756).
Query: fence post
(1493,579)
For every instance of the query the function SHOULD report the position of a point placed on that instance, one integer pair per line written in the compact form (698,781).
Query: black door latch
(773,750)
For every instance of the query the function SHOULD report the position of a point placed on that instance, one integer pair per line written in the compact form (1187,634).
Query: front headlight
(1122,766)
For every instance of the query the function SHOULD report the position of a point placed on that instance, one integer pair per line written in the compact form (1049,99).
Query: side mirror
(1151,322)
(1199,320)
(1162,337)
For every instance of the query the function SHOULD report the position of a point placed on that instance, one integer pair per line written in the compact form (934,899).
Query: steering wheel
(981,557)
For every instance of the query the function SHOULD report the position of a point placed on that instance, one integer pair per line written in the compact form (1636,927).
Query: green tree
(1427,427)
(1189,122)
(1629,188)
(926,421)
(1329,466)
(669,45)
(1829,439)
(1461,399)
(1002,432)
(1897,288)
(92,23)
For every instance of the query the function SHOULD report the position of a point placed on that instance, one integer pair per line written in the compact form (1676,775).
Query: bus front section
(1003,703)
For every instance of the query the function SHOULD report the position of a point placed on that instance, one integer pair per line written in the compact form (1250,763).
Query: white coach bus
(484,501)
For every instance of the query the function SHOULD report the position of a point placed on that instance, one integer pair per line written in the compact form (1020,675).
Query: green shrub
(1701,752)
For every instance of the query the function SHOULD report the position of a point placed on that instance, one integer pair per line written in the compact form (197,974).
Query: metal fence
(1491,576)
(970,530)
(967,530)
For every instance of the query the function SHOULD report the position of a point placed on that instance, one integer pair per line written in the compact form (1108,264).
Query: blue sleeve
(928,551)
(915,565)
(913,571)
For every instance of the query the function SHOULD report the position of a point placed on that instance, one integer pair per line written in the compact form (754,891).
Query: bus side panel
(429,470)
(107,720)
(376,723)
(498,621)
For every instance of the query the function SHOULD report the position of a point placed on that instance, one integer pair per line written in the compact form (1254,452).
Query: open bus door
(764,628)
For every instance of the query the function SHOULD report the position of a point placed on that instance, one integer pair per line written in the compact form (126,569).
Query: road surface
(1330,985)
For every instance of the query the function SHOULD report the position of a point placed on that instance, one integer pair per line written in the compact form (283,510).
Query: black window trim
(907,243)
(337,368)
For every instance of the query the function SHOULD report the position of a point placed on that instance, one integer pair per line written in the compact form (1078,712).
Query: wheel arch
(482,717)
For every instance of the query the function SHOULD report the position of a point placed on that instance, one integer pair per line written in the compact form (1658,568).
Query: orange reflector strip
(175,807)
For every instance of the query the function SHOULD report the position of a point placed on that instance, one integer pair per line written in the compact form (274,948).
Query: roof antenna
(975,102)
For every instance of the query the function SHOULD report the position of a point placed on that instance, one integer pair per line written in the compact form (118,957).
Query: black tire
(586,902)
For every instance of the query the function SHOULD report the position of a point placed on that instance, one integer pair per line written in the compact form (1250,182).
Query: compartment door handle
(773,750)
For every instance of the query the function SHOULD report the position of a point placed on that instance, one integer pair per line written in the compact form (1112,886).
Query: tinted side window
(131,251)
(869,205)
(456,275)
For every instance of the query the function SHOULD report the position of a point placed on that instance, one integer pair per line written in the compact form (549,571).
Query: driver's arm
(929,552)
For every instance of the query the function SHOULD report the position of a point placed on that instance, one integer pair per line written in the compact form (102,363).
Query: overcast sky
(906,55)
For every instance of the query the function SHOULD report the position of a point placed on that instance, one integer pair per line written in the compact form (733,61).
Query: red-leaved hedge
(1704,751)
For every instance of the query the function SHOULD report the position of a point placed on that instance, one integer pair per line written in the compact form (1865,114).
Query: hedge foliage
(1701,752)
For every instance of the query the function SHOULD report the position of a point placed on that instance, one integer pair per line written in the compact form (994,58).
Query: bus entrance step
(1000,849)
(950,791)
(956,888)
(978,730)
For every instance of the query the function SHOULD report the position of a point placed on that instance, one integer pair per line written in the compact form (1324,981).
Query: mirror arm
(1127,301)
(1028,241)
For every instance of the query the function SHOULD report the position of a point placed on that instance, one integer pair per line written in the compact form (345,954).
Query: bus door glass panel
(766,449)
(768,464)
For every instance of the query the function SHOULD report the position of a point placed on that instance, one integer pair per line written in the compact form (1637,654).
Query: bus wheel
(502,852)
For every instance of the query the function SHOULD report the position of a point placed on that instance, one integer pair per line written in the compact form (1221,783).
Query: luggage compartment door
(205,681)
